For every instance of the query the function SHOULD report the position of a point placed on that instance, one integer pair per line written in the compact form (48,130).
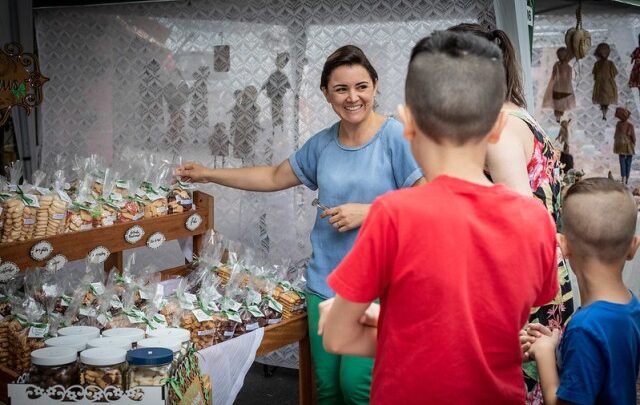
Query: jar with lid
(183,335)
(89,332)
(110,342)
(54,366)
(172,344)
(148,366)
(133,334)
(76,342)
(103,367)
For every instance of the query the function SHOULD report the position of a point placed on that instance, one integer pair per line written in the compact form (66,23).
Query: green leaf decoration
(20,92)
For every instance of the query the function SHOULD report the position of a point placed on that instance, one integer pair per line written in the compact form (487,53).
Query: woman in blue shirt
(352,162)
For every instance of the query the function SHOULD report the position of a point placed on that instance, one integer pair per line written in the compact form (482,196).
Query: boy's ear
(635,243)
(406,118)
(494,135)
(564,245)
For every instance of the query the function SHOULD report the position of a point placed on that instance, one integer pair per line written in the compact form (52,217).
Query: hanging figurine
(624,142)
(605,91)
(566,159)
(559,94)
(634,79)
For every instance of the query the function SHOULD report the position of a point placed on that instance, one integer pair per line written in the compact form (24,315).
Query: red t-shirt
(457,267)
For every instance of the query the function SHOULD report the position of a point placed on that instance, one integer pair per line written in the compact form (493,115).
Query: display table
(275,337)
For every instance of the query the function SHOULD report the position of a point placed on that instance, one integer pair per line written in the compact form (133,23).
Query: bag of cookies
(79,213)
(8,291)
(106,211)
(27,332)
(13,205)
(96,169)
(57,211)
(155,201)
(132,209)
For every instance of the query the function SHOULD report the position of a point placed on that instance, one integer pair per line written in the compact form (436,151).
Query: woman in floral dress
(525,160)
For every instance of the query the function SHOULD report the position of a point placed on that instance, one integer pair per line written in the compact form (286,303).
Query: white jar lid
(89,331)
(133,334)
(168,343)
(77,342)
(179,333)
(54,356)
(113,342)
(103,356)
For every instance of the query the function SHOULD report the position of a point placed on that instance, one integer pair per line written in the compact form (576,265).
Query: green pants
(339,379)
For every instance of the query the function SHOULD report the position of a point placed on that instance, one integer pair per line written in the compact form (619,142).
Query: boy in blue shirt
(599,353)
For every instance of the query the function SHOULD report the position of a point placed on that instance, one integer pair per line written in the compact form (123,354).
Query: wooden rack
(77,245)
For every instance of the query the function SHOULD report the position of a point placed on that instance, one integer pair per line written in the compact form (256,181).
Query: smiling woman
(357,159)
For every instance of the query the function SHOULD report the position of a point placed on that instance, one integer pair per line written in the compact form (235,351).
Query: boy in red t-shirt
(457,263)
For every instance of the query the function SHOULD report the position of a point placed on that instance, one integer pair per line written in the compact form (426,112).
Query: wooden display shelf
(77,245)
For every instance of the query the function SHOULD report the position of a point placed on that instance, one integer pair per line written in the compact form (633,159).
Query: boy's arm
(543,351)
(342,331)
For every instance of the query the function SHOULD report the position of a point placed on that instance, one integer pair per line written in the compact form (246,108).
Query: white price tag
(8,270)
(57,262)
(201,316)
(134,234)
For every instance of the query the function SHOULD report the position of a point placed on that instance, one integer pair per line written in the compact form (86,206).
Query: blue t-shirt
(348,175)
(600,353)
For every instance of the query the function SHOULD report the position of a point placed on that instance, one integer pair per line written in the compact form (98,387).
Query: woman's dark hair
(515,94)
(346,55)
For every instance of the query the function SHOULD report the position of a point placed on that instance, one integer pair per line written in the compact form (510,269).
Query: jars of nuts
(148,366)
(183,335)
(103,367)
(172,344)
(112,342)
(54,366)
(89,332)
(78,343)
(133,334)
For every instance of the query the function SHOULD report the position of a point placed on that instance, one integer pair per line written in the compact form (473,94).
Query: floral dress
(545,181)
(634,78)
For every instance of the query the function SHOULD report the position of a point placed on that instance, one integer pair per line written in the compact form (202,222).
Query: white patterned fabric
(200,79)
(591,138)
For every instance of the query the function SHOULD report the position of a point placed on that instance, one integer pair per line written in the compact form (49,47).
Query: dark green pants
(339,379)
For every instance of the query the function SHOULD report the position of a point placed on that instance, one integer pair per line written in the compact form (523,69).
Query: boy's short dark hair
(599,219)
(455,86)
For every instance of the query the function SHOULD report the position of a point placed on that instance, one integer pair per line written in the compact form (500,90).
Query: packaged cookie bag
(57,211)
(106,210)
(31,207)
(13,207)
(132,207)
(79,215)
(290,293)
(8,291)
(155,200)
(27,332)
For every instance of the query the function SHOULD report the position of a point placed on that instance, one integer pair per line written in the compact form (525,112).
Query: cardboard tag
(8,270)
(57,262)
(156,240)
(201,316)
(41,250)
(99,254)
(38,331)
(193,222)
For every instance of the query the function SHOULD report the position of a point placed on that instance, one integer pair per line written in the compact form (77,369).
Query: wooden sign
(20,80)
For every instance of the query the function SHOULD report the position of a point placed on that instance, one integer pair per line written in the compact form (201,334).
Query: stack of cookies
(13,210)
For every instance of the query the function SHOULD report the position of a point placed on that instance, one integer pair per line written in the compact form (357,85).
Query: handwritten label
(201,316)
(41,250)
(156,240)
(8,270)
(38,331)
(56,263)
(193,222)
(99,254)
(134,234)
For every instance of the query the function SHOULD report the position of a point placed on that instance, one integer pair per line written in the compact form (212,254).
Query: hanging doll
(605,91)
(566,159)
(634,79)
(559,94)
(624,142)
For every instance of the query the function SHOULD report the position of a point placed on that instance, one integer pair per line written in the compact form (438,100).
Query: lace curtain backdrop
(227,84)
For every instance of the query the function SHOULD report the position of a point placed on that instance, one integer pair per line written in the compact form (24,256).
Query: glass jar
(173,344)
(103,366)
(76,342)
(89,332)
(148,366)
(110,342)
(54,366)
(133,334)
(174,333)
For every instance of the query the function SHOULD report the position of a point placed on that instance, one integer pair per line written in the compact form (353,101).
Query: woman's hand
(194,172)
(346,217)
